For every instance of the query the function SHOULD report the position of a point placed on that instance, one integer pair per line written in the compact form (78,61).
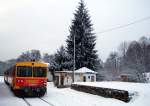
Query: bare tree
(112,66)
(123,47)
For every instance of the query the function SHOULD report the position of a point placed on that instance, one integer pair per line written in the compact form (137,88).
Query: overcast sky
(44,24)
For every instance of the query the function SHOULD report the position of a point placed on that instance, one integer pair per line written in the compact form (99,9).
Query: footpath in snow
(69,97)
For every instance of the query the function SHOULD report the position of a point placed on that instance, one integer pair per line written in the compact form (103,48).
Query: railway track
(26,102)
(30,102)
(46,102)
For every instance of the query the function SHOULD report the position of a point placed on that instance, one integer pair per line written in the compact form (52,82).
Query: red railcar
(27,78)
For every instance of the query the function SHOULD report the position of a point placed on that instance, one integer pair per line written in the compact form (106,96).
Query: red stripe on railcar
(38,82)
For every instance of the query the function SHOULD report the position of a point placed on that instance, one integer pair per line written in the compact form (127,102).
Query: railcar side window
(24,71)
(39,71)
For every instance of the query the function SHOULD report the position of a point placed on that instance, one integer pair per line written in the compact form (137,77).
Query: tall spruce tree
(81,29)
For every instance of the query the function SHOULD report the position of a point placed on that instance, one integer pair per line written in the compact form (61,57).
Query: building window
(89,77)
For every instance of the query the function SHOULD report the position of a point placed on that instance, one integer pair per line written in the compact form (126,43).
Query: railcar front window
(39,71)
(24,71)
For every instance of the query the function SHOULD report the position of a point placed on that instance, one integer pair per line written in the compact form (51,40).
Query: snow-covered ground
(6,96)
(69,97)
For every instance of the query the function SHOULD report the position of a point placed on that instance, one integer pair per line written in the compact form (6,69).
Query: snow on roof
(63,71)
(81,70)
(85,70)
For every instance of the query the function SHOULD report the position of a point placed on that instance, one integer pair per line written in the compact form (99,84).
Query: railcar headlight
(21,80)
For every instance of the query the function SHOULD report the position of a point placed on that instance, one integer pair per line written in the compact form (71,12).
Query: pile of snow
(129,86)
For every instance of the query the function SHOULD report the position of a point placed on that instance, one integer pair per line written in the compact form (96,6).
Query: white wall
(88,77)
(78,77)
(68,80)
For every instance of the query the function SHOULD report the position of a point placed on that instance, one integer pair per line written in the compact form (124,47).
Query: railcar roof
(30,63)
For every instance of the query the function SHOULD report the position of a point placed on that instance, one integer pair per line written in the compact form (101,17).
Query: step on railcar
(27,78)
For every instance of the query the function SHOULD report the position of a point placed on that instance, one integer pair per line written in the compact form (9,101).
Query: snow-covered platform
(69,97)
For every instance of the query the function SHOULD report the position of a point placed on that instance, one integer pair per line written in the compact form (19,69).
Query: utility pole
(74,62)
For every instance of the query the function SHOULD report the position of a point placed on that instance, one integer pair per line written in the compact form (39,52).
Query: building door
(57,80)
(62,80)
(84,78)
(92,78)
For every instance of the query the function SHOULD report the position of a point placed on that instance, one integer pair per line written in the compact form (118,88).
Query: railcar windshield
(24,71)
(39,71)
